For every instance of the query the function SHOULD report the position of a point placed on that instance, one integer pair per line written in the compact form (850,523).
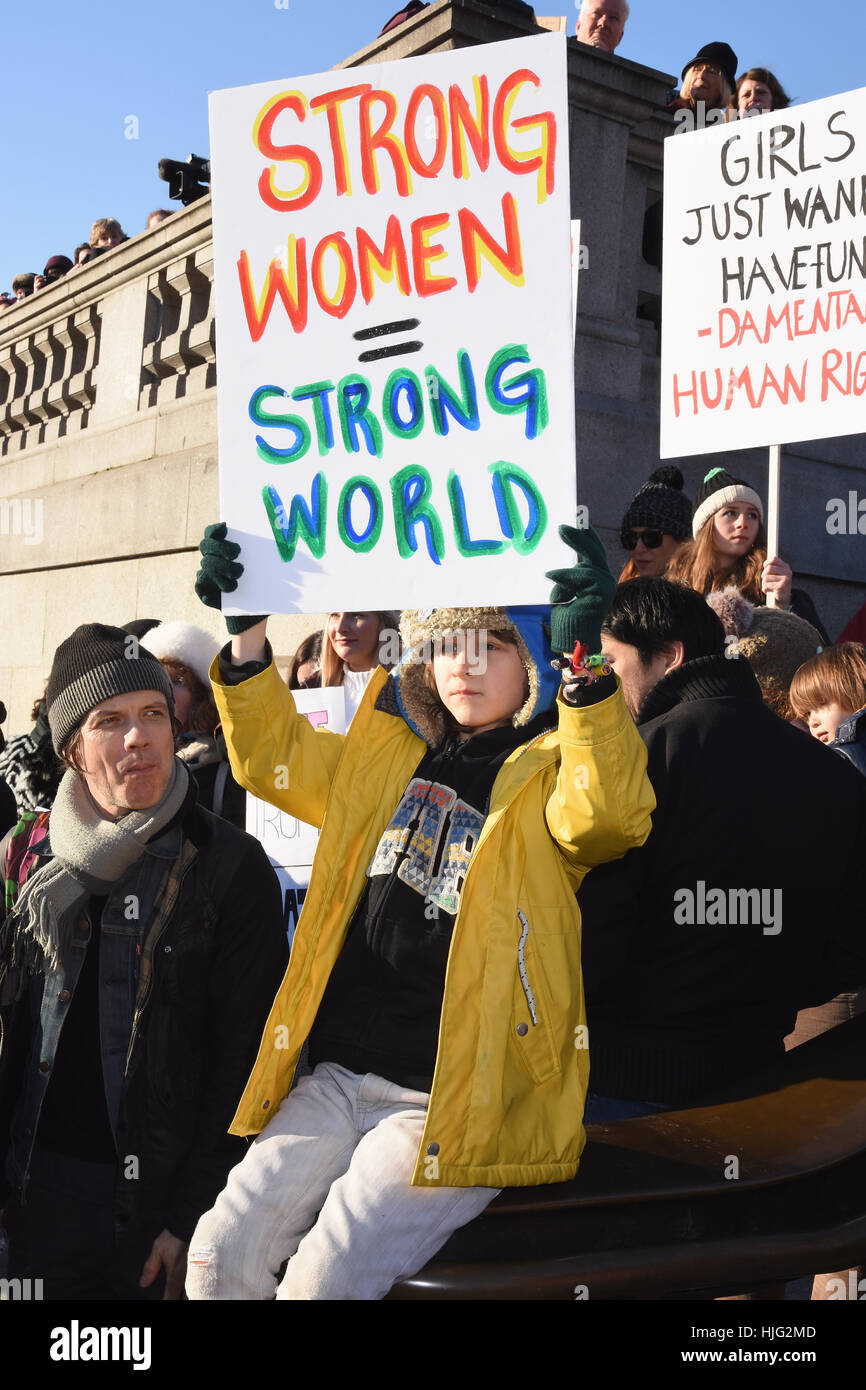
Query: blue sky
(73,75)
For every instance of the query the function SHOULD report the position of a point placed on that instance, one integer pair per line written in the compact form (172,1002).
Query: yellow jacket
(512,1064)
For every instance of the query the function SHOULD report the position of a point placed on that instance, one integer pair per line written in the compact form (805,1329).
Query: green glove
(581,596)
(219,574)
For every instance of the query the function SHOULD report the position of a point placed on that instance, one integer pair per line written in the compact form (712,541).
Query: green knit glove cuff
(219,574)
(582,595)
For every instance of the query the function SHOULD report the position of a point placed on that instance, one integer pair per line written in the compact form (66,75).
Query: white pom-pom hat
(183,642)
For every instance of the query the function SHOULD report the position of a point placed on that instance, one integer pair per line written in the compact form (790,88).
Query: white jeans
(327,1186)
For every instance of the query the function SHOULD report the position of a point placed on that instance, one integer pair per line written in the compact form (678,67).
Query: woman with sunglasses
(655,525)
(729,547)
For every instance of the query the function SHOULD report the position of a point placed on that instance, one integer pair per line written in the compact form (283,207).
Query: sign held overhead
(765,279)
(393,293)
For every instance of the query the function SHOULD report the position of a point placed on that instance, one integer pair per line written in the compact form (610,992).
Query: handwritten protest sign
(765,279)
(393,297)
(289,843)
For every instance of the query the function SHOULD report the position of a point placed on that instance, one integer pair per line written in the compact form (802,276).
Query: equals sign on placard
(386,330)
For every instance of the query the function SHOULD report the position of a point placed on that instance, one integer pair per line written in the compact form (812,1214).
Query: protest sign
(765,279)
(393,297)
(289,843)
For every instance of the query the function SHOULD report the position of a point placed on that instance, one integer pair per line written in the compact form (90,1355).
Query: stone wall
(108,451)
(108,443)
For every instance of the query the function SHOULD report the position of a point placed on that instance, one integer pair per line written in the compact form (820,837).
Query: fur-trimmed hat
(774,643)
(420,630)
(186,643)
(661,503)
(718,490)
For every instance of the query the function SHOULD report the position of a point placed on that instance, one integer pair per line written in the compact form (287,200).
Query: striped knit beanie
(718,490)
(94,664)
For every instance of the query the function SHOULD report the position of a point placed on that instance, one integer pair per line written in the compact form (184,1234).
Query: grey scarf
(90,854)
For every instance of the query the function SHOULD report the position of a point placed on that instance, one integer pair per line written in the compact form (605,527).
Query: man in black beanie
(138,959)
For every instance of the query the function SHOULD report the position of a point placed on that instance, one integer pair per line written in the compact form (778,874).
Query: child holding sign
(436,964)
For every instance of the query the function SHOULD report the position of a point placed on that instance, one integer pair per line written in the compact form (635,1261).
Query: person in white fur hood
(186,652)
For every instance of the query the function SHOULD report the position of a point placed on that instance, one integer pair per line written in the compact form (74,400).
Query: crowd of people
(578,863)
(105,234)
(522,816)
(709,85)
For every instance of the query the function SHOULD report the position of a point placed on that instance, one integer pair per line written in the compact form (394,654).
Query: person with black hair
(700,946)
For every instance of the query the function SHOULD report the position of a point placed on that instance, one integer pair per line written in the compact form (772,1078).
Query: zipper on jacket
(532,742)
(521,966)
(139,1012)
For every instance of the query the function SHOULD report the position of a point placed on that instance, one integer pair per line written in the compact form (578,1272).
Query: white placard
(394,330)
(289,843)
(764,316)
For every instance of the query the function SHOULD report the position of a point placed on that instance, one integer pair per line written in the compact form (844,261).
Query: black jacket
(850,740)
(8,808)
(678,1008)
(216,967)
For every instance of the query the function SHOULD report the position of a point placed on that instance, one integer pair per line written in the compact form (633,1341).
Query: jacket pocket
(531,1018)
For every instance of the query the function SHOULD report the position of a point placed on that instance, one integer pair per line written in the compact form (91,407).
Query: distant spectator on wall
(408,12)
(107,233)
(22,285)
(85,254)
(709,80)
(158,215)
(601,23)
(7,300)
(758,90)
(55,268)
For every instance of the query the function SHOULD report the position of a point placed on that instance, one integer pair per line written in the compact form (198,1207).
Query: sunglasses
(651,539)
